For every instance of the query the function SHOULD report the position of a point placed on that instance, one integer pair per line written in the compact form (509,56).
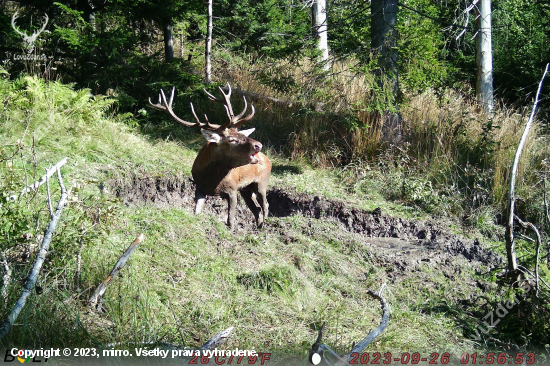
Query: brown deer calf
(230,161)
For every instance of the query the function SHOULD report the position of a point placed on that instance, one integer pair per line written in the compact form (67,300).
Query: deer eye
(233,140)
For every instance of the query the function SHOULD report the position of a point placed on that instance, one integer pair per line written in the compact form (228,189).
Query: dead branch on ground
(95,300)
(43,179)
(317,349)
(41,257)
(537,250)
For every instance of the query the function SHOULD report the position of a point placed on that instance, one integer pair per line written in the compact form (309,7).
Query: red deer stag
(230,161)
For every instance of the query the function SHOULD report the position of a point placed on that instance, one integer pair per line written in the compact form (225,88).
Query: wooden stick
(537,256)
(509,233)
(44,247)
(6,279)
(317,349)
(93,301)
(217,340)
(42,180)
(378,330)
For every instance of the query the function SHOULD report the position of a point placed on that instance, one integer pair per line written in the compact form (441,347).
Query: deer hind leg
(200,197)
(252,205)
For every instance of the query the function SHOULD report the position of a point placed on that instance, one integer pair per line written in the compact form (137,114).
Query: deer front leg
(200,197)
(231,208)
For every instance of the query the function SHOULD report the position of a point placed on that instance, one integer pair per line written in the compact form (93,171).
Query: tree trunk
(208,47)
(384,44)
(484,56)
(384,37)
(319,23)
(168,41)
(181,45)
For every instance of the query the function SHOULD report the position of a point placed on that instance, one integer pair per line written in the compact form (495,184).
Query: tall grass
(334,120)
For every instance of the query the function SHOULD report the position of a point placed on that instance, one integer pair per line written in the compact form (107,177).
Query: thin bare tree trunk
(181,45)
(484,57)
(208,47)
(509,234)
(168,41)
(319,20)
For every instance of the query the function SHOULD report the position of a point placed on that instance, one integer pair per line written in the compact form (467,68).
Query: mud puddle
(402,242)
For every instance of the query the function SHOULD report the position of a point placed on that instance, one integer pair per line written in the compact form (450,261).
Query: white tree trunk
(168,41)
(484,57)
(208,50)
(319,20)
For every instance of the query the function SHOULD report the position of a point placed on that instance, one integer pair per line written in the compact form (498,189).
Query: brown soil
(401,244)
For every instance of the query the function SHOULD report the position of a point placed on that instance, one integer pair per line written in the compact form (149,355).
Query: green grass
(192,277)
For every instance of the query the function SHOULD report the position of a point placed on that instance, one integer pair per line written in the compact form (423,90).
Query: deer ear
(247,132)
(211,136)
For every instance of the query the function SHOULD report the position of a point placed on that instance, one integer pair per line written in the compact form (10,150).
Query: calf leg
(247,195)
(261,196)
(199,201)
(231,209)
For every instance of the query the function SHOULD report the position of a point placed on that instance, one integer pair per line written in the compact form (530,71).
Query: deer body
(228,163)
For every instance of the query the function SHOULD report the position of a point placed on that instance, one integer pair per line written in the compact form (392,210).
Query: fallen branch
(528,275)
(44,247)
(96,297)
(43,179)
(319,107)
(537,255)
(509,234)
(217,340)
(6,279)
(316,354)
(378,330)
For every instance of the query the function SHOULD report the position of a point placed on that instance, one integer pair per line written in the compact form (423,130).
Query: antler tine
(171,96)
(158,106)
(195,115)
(207,125)
(212,97)
(166,106)
(227,98)
(246,119)
(237,118)
(226,103)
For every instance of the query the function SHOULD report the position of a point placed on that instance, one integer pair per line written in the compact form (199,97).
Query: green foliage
(270,279)
(521,45)
(274,28)
(423,63)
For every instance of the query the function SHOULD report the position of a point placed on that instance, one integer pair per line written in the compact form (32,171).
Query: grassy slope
(192,277)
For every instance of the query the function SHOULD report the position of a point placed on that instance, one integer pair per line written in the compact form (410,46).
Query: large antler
(166,106)
(233,122)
